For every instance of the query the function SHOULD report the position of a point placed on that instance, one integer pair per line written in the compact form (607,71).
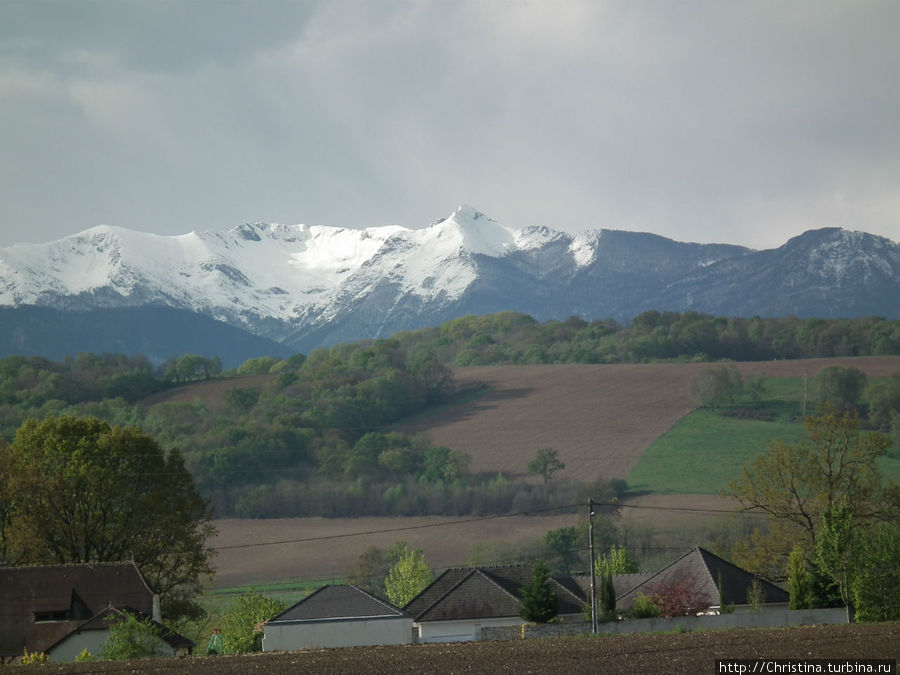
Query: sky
(709,121)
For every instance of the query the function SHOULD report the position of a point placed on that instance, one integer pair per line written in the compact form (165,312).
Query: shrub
(130,638)
(680,598)
(644,608)
(29,658)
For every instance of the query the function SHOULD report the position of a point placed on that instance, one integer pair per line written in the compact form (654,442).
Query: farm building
(60,609)
(337,616)
(93,633)
(720,581)
(462,601)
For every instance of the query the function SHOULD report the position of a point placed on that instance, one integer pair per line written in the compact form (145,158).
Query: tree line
(315,438)
(515,338)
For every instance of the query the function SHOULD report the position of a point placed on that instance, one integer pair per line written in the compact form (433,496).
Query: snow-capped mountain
(306,286)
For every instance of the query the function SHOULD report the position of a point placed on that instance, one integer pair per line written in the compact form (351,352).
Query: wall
(92,640)
(315,634)
(765,618)
(467,630)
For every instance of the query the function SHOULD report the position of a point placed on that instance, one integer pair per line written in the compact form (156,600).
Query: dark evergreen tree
(606,602)
(538,603)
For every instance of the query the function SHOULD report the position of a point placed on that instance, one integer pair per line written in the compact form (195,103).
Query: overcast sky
(743,122)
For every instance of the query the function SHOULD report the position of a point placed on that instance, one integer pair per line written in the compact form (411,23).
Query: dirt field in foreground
(657,653)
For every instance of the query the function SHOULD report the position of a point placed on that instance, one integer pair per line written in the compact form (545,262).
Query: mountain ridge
(307,285)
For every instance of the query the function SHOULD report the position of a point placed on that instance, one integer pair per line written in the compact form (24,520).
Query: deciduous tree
(615,562)
(796,484)
(408,577)
(242,624)
(546,463)
(717,385)
(840,386)
(87,492)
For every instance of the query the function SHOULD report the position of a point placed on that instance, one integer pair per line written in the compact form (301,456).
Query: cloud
(705,121)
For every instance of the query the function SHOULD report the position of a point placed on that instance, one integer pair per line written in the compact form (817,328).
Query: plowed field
(645,654)
(600,418)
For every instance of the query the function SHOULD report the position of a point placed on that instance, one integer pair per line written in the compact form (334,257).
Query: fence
(766,618)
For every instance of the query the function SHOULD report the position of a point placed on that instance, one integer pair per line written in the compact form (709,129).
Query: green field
(706,450)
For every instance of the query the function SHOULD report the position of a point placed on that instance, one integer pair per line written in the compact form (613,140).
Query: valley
(601,419)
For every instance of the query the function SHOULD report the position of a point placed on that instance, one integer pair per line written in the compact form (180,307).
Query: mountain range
(293,288)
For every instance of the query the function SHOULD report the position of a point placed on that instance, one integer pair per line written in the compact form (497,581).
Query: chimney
(157,613)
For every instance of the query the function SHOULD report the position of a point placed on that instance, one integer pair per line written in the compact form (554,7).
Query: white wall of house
(94,641)
(74,644)
(320,633)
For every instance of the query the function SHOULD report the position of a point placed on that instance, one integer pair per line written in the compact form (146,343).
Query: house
(722,582)
(461,601)
(93,633)
(337,616)
(60,609)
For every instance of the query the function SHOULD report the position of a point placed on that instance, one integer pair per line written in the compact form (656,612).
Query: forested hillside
(314,436)
(513,338)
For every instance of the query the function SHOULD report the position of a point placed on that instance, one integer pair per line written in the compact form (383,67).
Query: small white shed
(337,616)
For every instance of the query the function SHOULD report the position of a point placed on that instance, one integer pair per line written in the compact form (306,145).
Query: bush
(680,598)
(242,623)
(131,638)
(643,608)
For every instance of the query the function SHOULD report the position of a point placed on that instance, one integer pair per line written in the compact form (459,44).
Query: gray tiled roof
(622,583)
(333,602)
(709,572)
(484,592)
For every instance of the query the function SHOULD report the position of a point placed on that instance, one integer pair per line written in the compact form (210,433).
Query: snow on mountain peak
(470,231)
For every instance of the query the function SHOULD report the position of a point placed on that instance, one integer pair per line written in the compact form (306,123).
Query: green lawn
(705,450)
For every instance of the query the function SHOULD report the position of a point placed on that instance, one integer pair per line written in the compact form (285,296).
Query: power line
(394,529)
(478,519)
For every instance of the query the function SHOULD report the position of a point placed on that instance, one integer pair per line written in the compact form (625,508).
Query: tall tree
(717,385)
(800,582)
(546,463)
(88,492)
(537,601)
(615,562)
(797,484)
(408,577)
(841,387)
(876,585)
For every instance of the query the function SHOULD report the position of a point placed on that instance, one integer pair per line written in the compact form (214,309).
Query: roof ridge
(17,568)
(655,574)
(444,594)
(489,577)
(387,604)
(707,552)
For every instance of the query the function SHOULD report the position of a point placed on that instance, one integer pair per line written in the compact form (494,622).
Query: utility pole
(593,580)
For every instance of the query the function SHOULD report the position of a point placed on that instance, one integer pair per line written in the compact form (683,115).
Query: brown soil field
(314,548)
(608,414)
(208,391)
(599,418)
(308,550)
(645,654)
